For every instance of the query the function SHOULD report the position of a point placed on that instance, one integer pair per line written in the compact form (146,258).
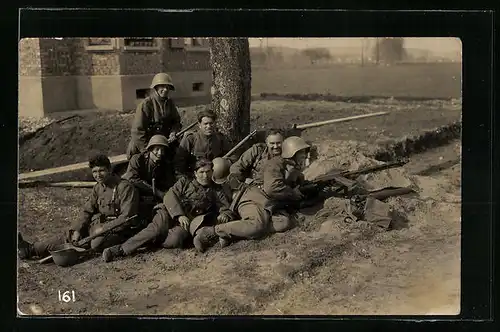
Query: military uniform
(251,164)
(189,198)
(142,170)
(260,201)
(195,145)
(153,116)
(108,204)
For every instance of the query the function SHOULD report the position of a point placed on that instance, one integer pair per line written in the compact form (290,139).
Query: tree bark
(231,86)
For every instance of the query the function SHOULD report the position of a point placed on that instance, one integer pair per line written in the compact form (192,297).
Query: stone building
(108,73)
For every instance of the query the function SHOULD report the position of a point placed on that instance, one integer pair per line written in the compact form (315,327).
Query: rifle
(237,146)
(344,181)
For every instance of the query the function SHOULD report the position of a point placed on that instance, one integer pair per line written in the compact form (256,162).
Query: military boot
(205,237)
(24,248)
(111,253)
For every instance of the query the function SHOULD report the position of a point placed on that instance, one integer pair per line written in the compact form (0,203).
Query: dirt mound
(74,140)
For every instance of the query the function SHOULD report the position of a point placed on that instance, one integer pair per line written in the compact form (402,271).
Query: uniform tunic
(108,204)
(153,116)
(251,163)
(142,169)
(195,145)
(189,198)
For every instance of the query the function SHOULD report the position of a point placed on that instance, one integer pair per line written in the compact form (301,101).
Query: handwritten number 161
(67,296)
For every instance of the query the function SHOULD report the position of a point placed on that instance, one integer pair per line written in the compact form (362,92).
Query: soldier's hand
(184,222)
(172,137)
(75,236)
(222,218)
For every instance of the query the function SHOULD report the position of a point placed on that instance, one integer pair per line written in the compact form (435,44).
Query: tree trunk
(231,86)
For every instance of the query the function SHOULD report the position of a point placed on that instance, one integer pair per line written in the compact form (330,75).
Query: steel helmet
(162,78)
(157,140)
(221,170)
(292,145)
(196,223)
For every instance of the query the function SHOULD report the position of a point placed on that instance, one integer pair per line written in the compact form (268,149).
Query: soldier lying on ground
(155,115)
(249,168)
(112,201)
(206,143)
(259,201)
(188,199)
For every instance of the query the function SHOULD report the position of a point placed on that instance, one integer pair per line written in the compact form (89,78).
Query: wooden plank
(69,168)
(69,184)
(322,123)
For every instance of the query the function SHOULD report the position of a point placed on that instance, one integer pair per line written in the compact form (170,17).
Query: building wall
(58,75)
(30,84)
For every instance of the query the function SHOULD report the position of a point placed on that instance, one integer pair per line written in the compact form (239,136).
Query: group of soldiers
(173,195)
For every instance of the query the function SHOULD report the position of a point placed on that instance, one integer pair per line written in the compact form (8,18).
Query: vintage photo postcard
(239,176)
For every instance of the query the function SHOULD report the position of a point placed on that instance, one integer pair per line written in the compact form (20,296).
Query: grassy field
(411,80)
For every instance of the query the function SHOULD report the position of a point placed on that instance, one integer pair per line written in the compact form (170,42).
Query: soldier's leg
(205,236)
(156,231)
(176,237)
(252,225)
(282,221)
(40,249)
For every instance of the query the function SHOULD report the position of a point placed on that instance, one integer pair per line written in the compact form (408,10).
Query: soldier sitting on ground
(112,201)
(206,143)
(155,115)
(259,201)
(152,170)
(188,199)
(249,168)
(148,171)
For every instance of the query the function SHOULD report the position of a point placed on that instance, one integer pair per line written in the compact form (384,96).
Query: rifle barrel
(180,133)
(237,146)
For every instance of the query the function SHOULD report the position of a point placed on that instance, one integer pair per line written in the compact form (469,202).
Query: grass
(423,80)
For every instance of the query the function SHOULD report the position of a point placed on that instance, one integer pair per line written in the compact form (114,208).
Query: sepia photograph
(239,176)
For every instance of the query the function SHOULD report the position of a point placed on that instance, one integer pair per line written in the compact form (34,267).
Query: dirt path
(324,266)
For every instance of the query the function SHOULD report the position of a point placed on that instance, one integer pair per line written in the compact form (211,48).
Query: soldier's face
(204,175)
(301,158)
(157,152)
(100,173)
(163,90)
(274,143)
(207,126)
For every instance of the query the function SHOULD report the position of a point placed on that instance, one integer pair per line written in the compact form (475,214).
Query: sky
(435,45)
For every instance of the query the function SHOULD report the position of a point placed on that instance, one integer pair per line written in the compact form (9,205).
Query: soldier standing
(156,114)
(112,201)
(206,143)
(278,188)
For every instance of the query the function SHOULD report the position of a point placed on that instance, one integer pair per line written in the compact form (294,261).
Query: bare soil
(324,266)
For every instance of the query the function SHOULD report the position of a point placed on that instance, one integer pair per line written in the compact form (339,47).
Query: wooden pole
(322,123)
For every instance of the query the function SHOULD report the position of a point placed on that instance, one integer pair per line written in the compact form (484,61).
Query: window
(141,93)
(100,44)
(198,86)
(140,44)
(196,44)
